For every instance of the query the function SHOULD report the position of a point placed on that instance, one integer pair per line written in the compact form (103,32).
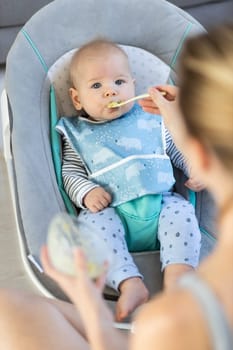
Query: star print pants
(178,234)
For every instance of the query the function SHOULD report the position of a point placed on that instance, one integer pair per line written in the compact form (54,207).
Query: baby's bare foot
(133,293)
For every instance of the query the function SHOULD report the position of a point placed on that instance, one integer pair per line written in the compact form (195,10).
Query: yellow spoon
(115,104)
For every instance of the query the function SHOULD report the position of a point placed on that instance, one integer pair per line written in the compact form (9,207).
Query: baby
(117,169)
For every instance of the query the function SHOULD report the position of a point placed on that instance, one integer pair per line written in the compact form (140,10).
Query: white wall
(2,71)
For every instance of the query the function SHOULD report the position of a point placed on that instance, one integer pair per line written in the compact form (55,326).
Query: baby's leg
(179,237)
(123,274)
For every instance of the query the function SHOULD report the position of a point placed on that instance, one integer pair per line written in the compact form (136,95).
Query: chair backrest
(156,26)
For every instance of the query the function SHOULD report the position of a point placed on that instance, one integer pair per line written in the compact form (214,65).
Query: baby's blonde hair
(99,45)
(206,90)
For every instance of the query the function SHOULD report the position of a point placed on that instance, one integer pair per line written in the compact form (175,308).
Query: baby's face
(103,79)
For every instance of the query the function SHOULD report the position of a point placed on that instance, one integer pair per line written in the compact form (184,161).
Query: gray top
(219,328)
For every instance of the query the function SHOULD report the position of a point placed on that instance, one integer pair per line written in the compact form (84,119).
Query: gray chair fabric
(13,15)
(154,25)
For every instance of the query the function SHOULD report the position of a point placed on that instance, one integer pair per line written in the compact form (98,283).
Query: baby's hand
(194,184)
(97,199)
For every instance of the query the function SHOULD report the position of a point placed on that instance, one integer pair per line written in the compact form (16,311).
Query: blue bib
(126,156)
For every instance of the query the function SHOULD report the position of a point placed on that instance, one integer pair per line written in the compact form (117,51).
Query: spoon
(115,104)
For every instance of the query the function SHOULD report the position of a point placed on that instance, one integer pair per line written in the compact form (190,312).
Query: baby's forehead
(94,56)
(101,52)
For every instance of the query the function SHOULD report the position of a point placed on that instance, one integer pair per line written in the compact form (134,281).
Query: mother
(198,313)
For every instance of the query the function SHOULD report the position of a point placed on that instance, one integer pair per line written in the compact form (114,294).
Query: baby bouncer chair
(36,84)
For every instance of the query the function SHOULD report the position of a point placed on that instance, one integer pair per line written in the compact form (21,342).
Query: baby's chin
(108,115)
(113,113)
(118,112)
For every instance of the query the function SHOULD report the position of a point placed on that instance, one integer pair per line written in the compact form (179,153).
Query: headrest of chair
(147,69)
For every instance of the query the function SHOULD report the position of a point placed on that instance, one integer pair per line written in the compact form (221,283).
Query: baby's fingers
(107,196)
(194,185)
(104,199)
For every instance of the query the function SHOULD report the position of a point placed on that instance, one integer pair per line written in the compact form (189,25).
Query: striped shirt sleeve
(74,175)
(174,154)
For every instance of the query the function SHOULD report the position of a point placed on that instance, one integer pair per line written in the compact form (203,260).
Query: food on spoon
(113,104)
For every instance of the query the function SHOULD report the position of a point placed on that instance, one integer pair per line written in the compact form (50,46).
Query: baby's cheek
(128,107)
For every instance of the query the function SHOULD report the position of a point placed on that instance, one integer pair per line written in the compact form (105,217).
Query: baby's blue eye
(96,86)
(119,81)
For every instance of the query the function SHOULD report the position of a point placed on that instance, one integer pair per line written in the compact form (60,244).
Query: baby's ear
(75,99)
(134,81)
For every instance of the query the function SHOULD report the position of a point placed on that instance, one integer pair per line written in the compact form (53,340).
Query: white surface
(2,72)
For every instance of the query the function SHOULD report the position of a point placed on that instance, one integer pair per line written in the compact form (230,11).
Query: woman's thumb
(157,97)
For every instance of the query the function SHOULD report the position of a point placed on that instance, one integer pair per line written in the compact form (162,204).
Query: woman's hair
(206,90)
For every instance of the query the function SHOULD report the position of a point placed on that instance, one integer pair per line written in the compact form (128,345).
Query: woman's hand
(158,102)
(167,106)
(87,297)
(86,294)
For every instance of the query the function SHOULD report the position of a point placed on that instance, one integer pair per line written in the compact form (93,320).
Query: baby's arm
(174,154)
(180,162)
(75,179)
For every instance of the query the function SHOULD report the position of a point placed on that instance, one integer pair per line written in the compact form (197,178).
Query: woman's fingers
(162,95)
(170,90)
(148,105)
(81,267)
(49,269)
(86,295)
(80,260)
(101,280)
(160,98)
(46,262)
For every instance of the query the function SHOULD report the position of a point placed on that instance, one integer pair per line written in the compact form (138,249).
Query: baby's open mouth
(114,104)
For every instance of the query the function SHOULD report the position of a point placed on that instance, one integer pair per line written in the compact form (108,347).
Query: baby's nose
(110,92)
